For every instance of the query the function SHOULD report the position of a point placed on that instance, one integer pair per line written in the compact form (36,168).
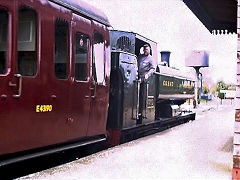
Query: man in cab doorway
(145,70)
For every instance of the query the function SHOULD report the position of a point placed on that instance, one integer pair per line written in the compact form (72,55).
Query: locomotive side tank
(174,88)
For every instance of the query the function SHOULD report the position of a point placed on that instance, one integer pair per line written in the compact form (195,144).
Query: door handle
(19,76)
(93,90)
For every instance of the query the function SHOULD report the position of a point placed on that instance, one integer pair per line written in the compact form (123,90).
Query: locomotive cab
(124,82)
(125,48)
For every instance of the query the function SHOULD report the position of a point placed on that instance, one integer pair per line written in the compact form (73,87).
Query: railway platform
(200,149)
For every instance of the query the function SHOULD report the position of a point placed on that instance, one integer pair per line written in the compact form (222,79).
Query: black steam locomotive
(166,90)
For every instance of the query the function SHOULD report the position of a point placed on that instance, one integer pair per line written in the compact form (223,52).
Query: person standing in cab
(145,70)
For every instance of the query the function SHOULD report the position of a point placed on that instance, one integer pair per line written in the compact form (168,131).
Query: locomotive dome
(80,7)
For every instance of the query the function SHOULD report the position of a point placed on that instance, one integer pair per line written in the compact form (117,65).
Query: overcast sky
(175,28)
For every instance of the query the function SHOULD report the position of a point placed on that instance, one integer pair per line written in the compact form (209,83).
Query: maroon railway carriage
(54,74)
(57,91)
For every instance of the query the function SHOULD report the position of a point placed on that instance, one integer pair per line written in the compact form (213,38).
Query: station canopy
(219,15)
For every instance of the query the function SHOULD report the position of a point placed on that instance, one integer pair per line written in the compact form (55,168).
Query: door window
(27,42)
(61,49)
(81,56)
(98,58)
(3,40)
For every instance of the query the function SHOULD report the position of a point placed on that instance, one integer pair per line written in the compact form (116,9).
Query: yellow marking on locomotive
(168,83)
(187,86)
(44,108)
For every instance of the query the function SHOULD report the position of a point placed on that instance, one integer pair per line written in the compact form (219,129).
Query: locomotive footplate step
(186,117)
(158,125)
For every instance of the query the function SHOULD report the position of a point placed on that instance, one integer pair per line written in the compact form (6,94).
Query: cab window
(3,40)
(98,58)
(27,41)
(81,56)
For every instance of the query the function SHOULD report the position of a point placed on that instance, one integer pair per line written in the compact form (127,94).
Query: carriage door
(80,88)
(25,83)
(99,94)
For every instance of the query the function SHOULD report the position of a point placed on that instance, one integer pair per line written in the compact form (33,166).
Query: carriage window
(27,42)
(81,57)
(98,58)
(61,49)
(3,40)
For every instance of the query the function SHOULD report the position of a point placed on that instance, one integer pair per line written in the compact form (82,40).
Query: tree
(221,86)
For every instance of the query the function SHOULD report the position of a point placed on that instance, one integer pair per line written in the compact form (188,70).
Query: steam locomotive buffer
(166,90)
